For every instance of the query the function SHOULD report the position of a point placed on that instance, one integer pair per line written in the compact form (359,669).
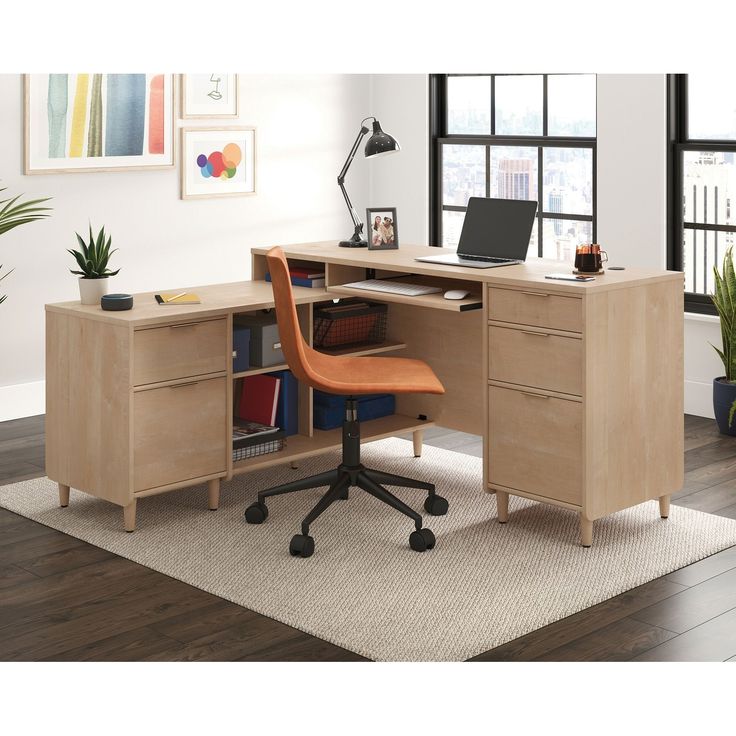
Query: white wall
(632,157)
(401,104)
(632,206)
(305,127)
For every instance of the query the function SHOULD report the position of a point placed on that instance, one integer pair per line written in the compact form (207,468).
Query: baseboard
(22,400)
(699,399)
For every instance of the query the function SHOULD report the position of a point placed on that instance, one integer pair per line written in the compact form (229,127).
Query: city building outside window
(702,180)
(515,136)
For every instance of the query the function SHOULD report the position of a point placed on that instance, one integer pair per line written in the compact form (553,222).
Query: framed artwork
(98,122)
(209,95)
(383,229)
(218,162)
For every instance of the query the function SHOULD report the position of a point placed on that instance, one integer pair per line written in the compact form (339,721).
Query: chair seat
(352,376)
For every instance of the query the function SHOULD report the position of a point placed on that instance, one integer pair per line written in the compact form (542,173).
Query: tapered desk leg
(63,495)
(664,506)
(586,531)
(129,515)
(418,439)
(502,504)
(213,492)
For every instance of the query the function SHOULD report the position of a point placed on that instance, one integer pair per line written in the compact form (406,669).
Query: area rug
(364,589)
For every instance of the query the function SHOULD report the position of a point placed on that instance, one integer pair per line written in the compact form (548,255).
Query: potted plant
(92,260)
(14,213)
(724,387)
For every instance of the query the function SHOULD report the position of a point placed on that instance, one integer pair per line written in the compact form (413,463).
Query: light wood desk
(576,389)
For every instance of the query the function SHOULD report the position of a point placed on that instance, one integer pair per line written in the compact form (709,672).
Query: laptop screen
(497,227)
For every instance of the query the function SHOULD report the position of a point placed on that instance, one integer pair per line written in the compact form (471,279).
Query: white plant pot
(92,290)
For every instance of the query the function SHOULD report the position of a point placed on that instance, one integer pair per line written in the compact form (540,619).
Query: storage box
(265,345)
(241,348)
(329,410)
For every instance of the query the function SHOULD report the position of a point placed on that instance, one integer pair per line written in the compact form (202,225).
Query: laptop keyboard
(487,259)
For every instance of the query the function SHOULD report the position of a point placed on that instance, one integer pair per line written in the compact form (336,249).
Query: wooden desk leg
(586,531)
(502,504)
(129,515)
(63,495)
(418,439)
(664,506)
(213,492)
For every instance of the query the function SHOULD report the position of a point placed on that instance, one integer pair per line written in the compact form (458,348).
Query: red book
(307,273)
(259,399)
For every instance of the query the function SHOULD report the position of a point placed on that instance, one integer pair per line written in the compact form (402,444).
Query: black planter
(724,394)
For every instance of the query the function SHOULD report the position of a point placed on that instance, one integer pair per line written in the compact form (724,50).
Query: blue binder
(287,411)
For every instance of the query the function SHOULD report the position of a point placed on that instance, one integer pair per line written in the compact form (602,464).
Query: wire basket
(349,323)
(262,448)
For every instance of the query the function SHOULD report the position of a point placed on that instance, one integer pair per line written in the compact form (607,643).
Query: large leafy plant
(724,299)
(15,213)
(94,256)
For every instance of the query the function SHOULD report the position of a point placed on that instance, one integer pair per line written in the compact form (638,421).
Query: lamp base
(353,244)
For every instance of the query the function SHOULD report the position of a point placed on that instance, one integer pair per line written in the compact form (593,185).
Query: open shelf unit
(310,441)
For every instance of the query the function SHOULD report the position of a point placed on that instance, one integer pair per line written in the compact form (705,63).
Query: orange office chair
(348,377)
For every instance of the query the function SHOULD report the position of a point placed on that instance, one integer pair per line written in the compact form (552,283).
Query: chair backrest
(295,349)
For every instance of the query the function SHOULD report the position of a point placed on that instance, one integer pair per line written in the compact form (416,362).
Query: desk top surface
(525,274)
(219,299)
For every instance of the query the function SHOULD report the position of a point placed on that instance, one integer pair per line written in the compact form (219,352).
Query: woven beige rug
(365,589)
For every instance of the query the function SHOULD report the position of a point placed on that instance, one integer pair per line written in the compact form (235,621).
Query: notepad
(177,297)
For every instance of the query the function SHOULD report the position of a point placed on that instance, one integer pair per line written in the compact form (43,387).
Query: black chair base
(349,474)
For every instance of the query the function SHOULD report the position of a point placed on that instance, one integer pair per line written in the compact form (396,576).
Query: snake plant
(13,213)
(724,298)
(94,256)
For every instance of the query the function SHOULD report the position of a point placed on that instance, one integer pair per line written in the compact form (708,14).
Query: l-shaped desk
(576,388)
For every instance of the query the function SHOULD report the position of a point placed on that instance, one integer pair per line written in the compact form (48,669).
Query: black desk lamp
(378,144)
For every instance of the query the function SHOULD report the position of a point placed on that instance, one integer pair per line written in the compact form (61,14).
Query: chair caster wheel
(301,545)
(256,513)
(436,506)
(421,540)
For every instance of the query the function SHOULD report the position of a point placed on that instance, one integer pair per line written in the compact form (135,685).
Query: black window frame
(679,142)
(439,136)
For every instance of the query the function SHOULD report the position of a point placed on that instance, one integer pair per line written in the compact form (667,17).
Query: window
(515,136)
(702,179)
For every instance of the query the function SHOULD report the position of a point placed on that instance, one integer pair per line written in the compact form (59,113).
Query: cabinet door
(180,432)
(535,444)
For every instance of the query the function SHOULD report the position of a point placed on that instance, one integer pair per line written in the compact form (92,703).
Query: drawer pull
(536,396)
(536,334)
(184,324)
(181,385)
(534,293)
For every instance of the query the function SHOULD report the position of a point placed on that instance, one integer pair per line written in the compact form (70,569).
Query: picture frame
(383,235)
(206,96)
(218,162)
(82,123)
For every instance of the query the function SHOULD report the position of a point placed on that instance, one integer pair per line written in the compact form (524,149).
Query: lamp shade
(380,142)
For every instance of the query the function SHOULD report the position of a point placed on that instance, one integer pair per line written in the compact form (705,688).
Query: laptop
(495,233)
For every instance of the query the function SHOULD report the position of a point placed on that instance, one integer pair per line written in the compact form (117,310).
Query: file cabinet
(583,412)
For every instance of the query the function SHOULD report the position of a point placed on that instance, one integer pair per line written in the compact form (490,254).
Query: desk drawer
(179,350)
(180,432)
(536,308)
(537,359)
(535,444)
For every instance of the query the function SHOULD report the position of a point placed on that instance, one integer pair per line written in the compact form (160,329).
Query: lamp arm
(353,214)
(353,151)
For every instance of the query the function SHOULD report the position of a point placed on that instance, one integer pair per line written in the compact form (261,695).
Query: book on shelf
(253,433)
(259,399)
(316,282)
(177,297)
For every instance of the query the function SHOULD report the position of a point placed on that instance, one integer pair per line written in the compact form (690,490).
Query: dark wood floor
(64,599)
